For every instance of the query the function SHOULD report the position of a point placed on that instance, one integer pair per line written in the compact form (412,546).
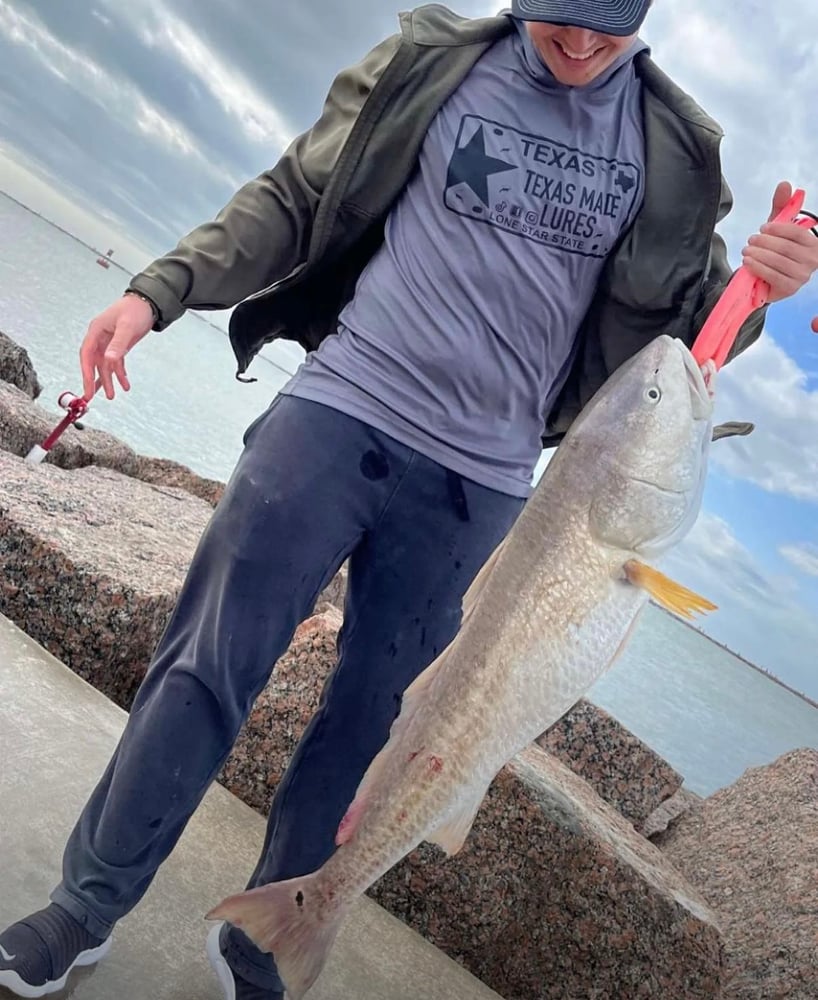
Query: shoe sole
(12,981)
(218,963)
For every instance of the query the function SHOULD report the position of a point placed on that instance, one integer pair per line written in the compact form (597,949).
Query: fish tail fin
(290,919)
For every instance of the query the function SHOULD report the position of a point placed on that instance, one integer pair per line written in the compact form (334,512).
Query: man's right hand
(109,338)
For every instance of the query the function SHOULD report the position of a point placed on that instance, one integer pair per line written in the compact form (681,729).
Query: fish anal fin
(452,835)
(671,595)
(472,595)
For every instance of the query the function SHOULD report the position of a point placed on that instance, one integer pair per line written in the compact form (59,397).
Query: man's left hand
(783,254)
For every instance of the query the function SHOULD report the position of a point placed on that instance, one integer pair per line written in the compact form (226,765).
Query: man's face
(576,56)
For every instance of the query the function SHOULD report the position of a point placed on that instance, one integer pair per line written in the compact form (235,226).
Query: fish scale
(543,620)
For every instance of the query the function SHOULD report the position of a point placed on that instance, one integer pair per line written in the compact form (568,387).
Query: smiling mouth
(578,57)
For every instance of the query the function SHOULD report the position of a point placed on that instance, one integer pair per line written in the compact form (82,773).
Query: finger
(790,231)
(794,250)
(122,375)
(782,195)
(782,285)
(114,361)
(91,355)
(786,267)
(89,370)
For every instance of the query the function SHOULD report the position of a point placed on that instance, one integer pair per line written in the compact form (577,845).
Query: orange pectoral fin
(667,592)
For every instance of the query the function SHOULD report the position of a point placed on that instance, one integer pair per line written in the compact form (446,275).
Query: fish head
(650,428)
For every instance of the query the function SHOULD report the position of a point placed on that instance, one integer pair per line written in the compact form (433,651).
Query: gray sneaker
(38,953)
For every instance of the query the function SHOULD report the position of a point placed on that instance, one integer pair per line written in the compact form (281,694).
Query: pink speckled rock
(335,591)
(668,813)
(91,563)
(16,367)
(752,851)
(621,768)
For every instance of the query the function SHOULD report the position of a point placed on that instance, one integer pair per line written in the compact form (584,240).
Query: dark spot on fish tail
(299,899)
(457,495)
(398,699)
(155,824)
(393,650)
(458,564)
(188,704)
(416,621)
(429,604)
(374,465)
(423,637)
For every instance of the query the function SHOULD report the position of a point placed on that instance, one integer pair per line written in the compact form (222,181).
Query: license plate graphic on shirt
(538,189)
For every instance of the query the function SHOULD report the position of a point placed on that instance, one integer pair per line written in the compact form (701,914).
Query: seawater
(706,711)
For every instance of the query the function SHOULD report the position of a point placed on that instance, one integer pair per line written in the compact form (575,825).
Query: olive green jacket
(290,245)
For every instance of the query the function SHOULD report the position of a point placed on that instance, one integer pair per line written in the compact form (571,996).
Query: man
(488,219)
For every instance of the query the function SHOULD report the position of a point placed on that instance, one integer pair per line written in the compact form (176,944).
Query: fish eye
(653,394)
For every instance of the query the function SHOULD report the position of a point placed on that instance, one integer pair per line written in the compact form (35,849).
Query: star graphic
(470,165)
(624,181)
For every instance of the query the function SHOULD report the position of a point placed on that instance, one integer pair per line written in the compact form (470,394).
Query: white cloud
(803,557)
(754,73)
(102,18)
(709,47)
(767,387)
(759,614)
(258,118)
(117,97)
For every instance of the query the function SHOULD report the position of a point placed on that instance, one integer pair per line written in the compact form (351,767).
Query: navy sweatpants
(311,488)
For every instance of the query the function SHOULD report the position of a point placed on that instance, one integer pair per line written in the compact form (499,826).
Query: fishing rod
(75,407)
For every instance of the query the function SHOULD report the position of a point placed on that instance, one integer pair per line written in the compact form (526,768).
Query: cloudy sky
(130,123)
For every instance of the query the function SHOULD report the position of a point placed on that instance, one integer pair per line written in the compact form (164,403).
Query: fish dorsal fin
(452,835)
(671,595)
(413,697)
(472,595)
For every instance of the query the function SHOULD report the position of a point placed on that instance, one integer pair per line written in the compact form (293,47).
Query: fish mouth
(700,399)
